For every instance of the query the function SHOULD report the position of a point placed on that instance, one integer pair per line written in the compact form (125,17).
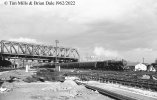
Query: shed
(151,68)
(140,67)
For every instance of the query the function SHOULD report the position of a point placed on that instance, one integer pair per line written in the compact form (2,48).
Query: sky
(124,29)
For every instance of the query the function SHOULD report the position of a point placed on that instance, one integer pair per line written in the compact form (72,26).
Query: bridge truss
(10,49)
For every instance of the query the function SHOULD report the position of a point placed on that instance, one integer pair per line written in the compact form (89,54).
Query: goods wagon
(97,65)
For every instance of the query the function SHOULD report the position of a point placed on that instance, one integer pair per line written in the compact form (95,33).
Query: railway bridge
(21,50)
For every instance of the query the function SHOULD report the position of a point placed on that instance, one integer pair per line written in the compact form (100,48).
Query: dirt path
(68,90)
(50,91)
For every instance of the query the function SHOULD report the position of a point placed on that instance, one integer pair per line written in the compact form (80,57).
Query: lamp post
(56,62)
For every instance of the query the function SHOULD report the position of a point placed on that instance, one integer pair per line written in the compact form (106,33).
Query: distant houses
(136,66)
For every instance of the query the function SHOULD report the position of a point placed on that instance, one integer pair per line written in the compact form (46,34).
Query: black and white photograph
(78,49)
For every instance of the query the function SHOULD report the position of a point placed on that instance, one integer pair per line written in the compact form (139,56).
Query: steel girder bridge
(20,50)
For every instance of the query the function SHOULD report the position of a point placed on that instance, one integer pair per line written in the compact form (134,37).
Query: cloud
(111,10)
(137,54)
(27,40)
(126,27)
(100,51)
(143,49)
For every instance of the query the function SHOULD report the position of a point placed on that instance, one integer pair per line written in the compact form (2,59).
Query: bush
(46,75)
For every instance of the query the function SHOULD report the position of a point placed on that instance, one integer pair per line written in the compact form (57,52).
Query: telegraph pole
(56,61)
(143,59)
(57,41)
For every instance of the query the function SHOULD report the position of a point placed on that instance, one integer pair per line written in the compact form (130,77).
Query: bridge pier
(57,67)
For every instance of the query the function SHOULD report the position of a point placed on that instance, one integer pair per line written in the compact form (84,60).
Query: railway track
(7,69)
(149,85)
(132,83)
(106,93)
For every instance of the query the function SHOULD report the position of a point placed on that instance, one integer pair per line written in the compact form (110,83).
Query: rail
(106,92)
(132,83)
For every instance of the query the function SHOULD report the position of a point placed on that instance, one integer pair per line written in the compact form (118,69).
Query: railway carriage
(97,65)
